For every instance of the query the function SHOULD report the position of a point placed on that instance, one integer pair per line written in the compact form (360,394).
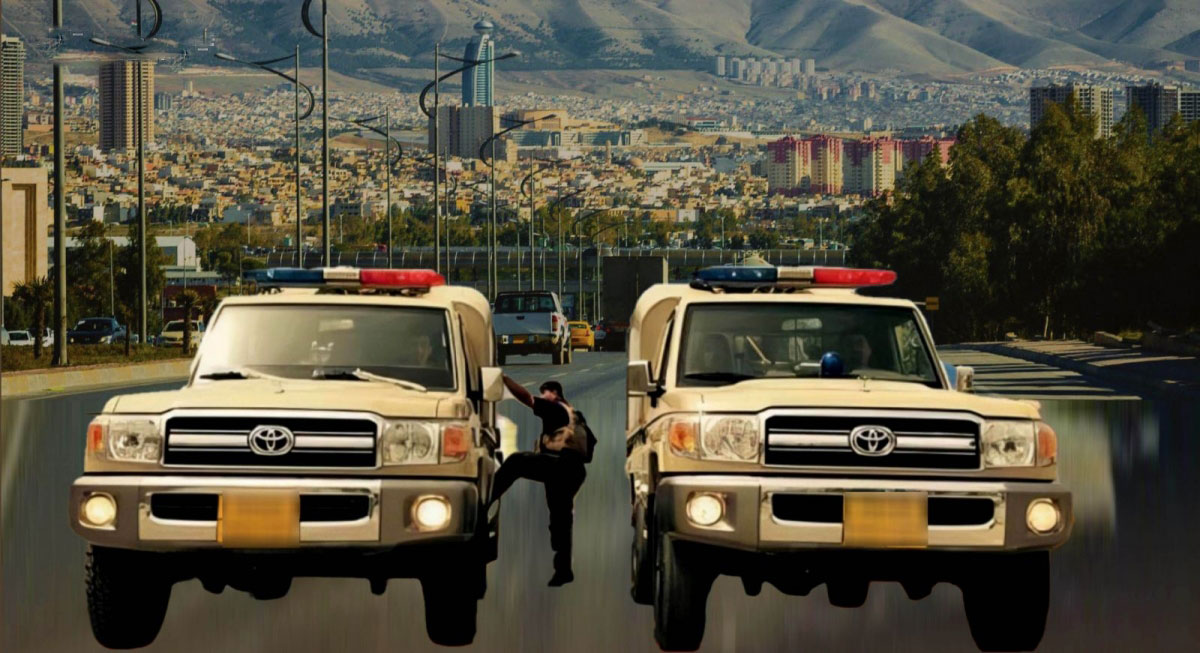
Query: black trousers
(562,476)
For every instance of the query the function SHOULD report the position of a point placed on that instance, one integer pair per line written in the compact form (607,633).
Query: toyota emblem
(271,440)
(872,440)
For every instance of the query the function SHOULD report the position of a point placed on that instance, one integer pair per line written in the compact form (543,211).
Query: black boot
(561,577)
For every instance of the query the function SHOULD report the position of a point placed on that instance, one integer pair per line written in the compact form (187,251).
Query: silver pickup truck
(531,323)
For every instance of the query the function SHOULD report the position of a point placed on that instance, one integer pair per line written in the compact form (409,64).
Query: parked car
(96,330)
(172,334)
(20,338)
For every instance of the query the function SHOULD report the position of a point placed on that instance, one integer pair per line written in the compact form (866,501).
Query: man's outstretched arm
(518,391)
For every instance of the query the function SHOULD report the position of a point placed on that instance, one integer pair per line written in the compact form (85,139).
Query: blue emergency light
(748,277)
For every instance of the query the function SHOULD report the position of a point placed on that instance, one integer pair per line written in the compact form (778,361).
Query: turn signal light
(1047,444)
(456,441)
(682,437)
(95,438)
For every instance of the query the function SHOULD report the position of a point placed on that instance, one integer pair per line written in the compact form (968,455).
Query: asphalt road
(1127,580)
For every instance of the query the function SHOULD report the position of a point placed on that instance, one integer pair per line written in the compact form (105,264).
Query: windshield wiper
(239,374)
(363,375)
(731,377)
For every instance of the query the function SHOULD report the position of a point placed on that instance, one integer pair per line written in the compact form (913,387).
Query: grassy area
(21,358)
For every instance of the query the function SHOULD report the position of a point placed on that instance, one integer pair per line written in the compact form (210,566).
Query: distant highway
(1126,581)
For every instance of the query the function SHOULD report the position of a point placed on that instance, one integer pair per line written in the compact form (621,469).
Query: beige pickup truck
(341,425)
(783,428)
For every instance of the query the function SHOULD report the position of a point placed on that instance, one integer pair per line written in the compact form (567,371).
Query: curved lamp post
(487,157)
(312,102)
(432,115)
(388,162)
(323,34)
(579,307)
(60,286)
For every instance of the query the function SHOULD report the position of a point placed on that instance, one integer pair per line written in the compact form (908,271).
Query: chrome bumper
(750,522)
(387,523)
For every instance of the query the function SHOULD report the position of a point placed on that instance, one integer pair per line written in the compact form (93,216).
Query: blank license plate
(885,520)
(520,340)
(258,519)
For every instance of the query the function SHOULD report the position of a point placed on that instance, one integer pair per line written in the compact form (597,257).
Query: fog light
(431,513)
(99,510)
(1042,516)
(705,509)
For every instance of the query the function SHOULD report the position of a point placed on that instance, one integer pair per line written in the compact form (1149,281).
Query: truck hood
(762,394)
(379,398)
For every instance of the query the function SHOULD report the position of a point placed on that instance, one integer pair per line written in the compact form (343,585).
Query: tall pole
(559,245)
(387,162)
(112,293)
(596,295)
(580,307)
(437,210)
(299,200)
(60,211)
(532,261)
(494,253)
(325,132)
(438,173)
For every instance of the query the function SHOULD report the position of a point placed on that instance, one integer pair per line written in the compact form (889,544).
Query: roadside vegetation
(1055,233)
(15,359)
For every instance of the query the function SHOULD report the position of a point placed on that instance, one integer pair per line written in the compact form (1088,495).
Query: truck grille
(225,441)
(919,442)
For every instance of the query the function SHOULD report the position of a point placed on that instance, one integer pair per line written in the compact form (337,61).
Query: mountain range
(934,37)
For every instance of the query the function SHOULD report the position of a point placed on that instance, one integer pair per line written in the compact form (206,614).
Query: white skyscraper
(477,81)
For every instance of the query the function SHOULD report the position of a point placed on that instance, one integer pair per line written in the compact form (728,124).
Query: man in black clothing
(557,464)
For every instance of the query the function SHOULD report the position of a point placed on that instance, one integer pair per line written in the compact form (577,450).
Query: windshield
(94,324)
(19,336)
(727,343)
(330,342)
(177,325)
(524,304)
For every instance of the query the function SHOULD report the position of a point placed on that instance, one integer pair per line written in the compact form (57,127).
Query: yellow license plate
(259,519)
(878,520)
(520,340)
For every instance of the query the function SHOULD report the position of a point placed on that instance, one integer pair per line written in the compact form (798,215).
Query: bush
(21,358)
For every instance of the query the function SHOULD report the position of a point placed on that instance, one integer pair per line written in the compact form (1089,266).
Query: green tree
(35,296)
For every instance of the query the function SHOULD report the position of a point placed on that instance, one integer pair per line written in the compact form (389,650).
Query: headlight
(1008,444)
(413,442)
(125,438)
(105,339)
(731,437)
(715,437)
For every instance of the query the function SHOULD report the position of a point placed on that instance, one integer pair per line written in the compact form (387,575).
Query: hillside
(912,36)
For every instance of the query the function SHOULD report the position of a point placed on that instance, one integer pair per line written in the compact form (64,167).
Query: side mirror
(638,382)
(492,381)
(965,381)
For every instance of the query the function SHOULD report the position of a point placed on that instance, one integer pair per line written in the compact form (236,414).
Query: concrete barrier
(35,382)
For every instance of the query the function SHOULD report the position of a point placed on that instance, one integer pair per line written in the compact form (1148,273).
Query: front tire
(556,356)
(682,584)
(1006,606)
(641,578)
(126,597)
(451,605)
(500,358)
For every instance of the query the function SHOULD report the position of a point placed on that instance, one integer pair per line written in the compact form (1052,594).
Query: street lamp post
(324,36)
(559,243)
(435,86)
(388,162)
(488,161)
(297,85)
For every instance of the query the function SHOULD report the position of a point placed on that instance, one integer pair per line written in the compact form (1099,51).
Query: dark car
(96,330)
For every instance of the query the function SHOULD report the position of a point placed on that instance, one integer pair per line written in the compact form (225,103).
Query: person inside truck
(558,464)
(712,356)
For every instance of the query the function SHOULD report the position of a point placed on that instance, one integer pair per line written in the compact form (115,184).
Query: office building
(1189,105)
(162,102)
(118,103)
(477,81)
(26,223)
(788,166)
(1157,102)
(810,66)
(1095,100)
(870,166)
(826,164)
(12,95)
(464,129)
(720,71)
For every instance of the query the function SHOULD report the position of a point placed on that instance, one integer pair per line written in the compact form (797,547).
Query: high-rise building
(1189,105)
(737,69)
(1095,100)
(26,219)
(118,103)
(720,71)
(870,167)
(788,166)
(477,81)
(12,95)
(463,130)
(810,66)
(826,164)
(916,151)
(1157,102)
(162,102)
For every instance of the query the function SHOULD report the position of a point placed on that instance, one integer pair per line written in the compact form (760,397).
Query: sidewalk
(1163,375)
(72,379)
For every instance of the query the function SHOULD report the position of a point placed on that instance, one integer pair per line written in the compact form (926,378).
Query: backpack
(576,435)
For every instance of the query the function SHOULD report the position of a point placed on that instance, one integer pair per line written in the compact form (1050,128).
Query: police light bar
(348,277)
(731,277)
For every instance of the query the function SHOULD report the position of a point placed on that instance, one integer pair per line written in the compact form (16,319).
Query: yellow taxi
(582,336)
